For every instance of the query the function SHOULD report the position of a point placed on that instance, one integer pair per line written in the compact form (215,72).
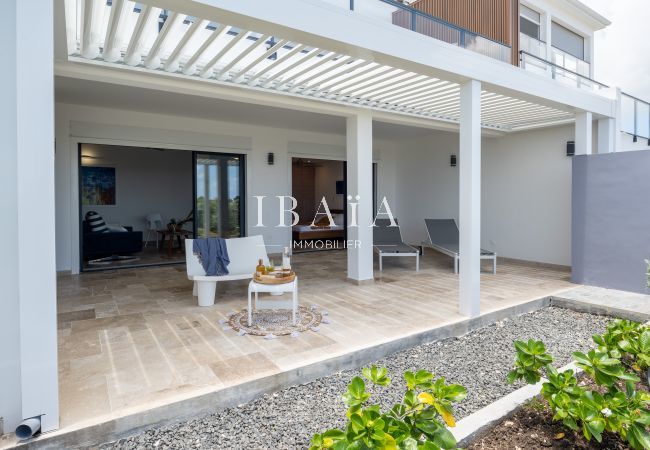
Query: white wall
(147,181)
(427,187)
(526,191)
(75,124)
(527,195)
(627,143)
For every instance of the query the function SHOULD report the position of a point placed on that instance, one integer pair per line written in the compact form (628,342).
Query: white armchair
(154,223)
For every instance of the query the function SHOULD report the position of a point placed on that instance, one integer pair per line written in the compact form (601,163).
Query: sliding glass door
(219,195)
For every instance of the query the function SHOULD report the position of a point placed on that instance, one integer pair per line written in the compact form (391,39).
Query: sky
(623,49)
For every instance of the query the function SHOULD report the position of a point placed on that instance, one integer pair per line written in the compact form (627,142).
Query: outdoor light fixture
(270,158)
(452,161)
(570,148)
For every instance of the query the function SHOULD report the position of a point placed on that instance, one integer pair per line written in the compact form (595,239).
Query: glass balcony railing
(635,117)
(533,46)
(559,65)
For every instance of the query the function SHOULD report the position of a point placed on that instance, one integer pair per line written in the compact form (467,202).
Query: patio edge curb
(211,402)
(477,424)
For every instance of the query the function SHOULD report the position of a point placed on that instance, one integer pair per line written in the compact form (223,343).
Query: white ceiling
(92,93)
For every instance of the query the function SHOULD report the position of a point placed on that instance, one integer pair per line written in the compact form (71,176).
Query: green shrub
(617,406)
(419,422)
(530,358)
(628,341)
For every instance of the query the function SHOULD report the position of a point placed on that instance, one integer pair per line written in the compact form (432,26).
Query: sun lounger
(443,237)
(388,242)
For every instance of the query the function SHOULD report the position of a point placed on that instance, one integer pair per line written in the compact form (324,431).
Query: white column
(359,190)
(470,199)
(606,135)
(618,127)
(28,329)
(547,27)
(583,133)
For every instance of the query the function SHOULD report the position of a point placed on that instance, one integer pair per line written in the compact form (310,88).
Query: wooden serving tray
(273,279)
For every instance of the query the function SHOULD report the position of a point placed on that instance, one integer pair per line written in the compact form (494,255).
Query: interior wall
(327,173)
(526,191)
(75,123)
(147,181)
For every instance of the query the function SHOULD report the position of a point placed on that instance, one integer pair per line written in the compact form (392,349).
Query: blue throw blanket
(213,255)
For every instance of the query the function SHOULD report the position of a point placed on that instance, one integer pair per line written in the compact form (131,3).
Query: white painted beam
(89,36)
(112,40)
(281,59)
(133,55)
(325,84)
(225,71)
(189,68)
(300,60)
(359,189)
(583,136)
(606,135)
(207,70)
(153,57)
(470,199)
(316,64)
(273,49)
(171,64)
(331,70)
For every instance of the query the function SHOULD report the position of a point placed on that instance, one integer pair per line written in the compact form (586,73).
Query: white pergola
(143,36)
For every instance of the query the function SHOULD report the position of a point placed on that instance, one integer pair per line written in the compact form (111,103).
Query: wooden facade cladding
(497,20)
(489,18)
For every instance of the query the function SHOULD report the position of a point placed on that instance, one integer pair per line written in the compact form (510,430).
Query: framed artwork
(98,186)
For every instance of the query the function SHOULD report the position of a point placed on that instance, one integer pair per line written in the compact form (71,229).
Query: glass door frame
(242,188)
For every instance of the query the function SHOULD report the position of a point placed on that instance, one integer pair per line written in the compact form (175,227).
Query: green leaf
(444,439)
(357,387)
(512,376)
(409,444)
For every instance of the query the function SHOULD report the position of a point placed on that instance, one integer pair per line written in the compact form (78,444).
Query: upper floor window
(568,41)
(529,22)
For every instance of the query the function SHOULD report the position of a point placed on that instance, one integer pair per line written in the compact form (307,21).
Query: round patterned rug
(272,323)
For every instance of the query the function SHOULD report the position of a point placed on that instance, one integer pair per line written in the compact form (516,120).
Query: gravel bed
(287,419)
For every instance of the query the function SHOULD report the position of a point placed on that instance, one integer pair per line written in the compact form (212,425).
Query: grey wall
(611,220)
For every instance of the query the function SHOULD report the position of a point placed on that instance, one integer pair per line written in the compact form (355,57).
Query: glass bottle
(286,259)
(261,268)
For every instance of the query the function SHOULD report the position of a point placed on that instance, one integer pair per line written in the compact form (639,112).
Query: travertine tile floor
(136,337)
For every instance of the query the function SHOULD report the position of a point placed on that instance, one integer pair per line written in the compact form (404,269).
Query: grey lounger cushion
(388,239)
(444,233)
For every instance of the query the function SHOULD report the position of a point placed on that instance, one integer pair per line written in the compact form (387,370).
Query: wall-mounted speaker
(452,161)
(270,158)
(570,148)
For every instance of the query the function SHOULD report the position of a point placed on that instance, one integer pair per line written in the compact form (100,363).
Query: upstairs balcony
(534,55)
(538,57)
(410,18)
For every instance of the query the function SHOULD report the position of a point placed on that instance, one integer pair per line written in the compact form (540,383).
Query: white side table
(274,289)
